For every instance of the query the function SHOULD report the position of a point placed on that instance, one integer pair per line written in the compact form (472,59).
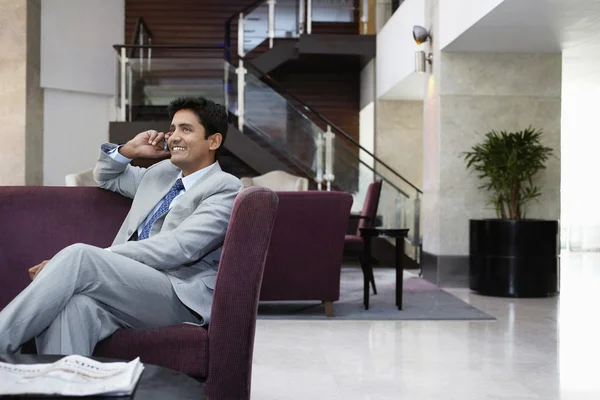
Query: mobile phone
(165,144)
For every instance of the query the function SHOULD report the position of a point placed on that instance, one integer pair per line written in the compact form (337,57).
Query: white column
(271,33)
(21,98)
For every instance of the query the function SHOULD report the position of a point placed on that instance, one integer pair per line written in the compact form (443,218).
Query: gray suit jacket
(186,242)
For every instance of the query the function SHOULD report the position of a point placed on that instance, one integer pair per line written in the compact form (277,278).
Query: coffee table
(399,234)
(156,383)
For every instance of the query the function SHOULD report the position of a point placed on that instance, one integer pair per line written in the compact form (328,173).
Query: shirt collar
(190,180)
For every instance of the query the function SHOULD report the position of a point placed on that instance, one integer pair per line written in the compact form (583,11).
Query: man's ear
(215,141)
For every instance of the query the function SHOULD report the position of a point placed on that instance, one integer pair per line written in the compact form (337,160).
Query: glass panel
(355,169)
(286,19)
(256,27)
(153,82)
(333,11)
(231,88)
(256,24)
(284,127)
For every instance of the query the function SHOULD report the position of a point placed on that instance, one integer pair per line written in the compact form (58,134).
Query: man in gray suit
(162,265)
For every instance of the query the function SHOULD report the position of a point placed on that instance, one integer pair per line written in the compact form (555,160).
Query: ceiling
(533,26)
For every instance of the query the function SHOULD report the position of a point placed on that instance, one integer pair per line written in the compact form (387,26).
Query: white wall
(367,84)
(78,123)
(77,39)
(77,74)
(456,16)
(395,52)
(367,141)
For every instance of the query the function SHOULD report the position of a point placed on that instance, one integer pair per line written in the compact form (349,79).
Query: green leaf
(507,163)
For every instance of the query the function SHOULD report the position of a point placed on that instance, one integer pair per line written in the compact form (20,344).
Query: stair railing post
(129,91)
(417,227)
(329,176)
(141,42)
(301,17)
(149,55)
(123,88)
(365,17)
(241,75)
(320,153)
(400,211)
(308,16)
(226,85)
(271,33)
(241,83)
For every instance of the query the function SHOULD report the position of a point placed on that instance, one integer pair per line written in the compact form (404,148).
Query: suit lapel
(158,188)
(215,170)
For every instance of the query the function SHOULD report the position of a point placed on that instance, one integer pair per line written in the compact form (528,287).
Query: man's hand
(147,144)
(34,271)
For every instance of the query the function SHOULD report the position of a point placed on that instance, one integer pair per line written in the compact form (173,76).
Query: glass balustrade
(334,11)
(152,79)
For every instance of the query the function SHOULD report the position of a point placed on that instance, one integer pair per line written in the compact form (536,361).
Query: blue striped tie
(164,207)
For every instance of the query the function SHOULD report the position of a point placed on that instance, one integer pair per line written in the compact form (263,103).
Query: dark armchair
(354,245)
(306,253)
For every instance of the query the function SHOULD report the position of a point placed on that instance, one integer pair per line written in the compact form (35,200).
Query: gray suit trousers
(83,295)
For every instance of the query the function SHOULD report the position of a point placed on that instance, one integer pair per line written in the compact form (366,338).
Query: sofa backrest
(36,222)
(307,245)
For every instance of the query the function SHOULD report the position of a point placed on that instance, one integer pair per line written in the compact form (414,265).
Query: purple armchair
(305,257)
(37,222)
(354,245)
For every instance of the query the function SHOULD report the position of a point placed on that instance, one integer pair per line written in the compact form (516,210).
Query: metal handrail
(139,25)
(166,46)
(281,90)
(360,161)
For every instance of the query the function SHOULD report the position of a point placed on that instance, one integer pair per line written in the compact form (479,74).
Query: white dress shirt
(188,182)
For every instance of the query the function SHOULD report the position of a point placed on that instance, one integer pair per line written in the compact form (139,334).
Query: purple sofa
(305,256)
(37,222)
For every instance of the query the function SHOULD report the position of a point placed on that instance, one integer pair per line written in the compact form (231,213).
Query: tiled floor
(537,349)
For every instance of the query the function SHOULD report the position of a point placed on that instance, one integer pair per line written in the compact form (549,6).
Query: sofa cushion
(182,348)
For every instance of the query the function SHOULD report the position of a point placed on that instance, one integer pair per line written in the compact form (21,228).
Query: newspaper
(71,376)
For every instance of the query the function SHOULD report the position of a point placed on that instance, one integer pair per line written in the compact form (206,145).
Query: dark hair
(212,116)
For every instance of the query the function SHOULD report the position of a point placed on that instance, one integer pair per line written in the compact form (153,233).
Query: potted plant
(512,255)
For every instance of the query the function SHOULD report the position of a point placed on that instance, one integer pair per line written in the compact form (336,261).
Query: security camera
(420,34)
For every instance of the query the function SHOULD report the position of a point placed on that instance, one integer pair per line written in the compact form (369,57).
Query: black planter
(514,258)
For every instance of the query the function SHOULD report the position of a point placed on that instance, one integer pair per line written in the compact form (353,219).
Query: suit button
(130,232)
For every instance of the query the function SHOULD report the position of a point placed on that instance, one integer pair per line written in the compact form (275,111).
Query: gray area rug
(422,300)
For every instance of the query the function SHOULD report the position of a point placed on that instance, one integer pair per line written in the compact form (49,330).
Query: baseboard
(446,271)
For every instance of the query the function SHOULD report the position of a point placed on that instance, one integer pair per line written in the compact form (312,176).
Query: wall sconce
(420,34)
(421,61)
